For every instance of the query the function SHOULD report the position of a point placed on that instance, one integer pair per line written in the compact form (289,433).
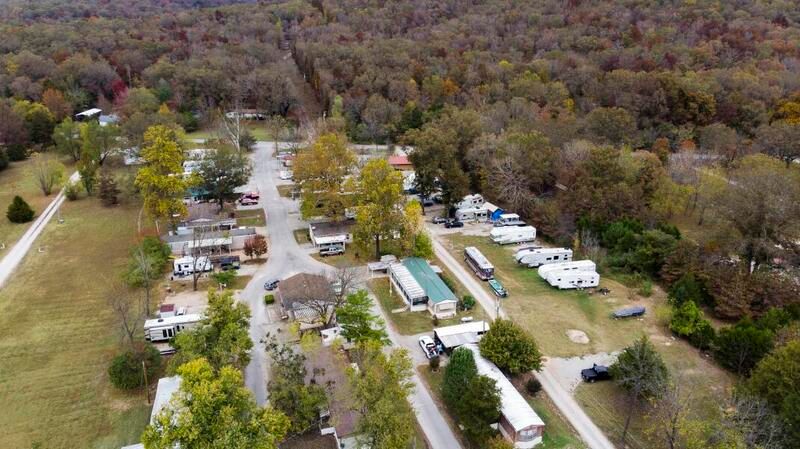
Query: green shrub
(533,386)
(72,190)
(448,282)
(269,299)
(467,302)
(740,347)
(3,160)
(16,152)
(125,371)
(645,288)
(688,288)
(225,278)
(19,211)
(703,336)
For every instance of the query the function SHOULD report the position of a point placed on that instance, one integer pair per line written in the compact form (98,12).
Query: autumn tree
(380,202)
(288,390)
(222,339)
(758,202)
(213,405)
(160,180)
(639,370)
(381,386)
(511,348)
(48,172)
(776,379)
(321,172)
(779,140)
(57,104)
(255,246)
(613,125)
(67,139)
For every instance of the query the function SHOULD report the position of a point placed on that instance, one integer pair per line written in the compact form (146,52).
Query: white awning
(330,240)
(407,282)
(210,243)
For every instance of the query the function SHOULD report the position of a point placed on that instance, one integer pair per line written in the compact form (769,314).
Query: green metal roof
(433,285)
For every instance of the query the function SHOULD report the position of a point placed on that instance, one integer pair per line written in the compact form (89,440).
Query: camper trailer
(509,220)
(188,265)
(573,279)
(164,329)
(479,263)
(471,202)
(472,214)
(576,265)
(513,234)
(538,257)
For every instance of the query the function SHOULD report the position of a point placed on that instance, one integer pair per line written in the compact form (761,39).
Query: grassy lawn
(286,190)
(17,180)
(557,432)
(531,298)
(57,336)
(251,217)
(257,130)
(411,323)
(301,236)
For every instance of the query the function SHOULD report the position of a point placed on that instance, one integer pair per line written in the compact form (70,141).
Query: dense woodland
(616,127)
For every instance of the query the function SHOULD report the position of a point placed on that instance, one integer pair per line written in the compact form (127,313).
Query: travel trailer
(576,265)
(513,234)
(471,202)
(164,329)
(509,220)
(472,214)
(573,279)
(538,257)
(479,263)
(188,265)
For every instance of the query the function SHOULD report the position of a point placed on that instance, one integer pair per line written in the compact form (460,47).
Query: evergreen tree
(19,211)
(107,189)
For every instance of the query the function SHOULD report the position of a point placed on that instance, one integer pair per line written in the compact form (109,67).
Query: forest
(657,137)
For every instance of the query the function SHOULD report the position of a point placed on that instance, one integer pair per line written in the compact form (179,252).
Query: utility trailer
(513,234)
(543,256)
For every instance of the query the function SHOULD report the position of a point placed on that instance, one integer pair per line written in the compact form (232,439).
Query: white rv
(573,279)
(188,265)
(471,202)
(164,329)
(509,220)
(472,214)
(513,234)
(537,257)
(576,265)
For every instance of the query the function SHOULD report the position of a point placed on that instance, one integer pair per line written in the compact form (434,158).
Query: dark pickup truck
(595,373)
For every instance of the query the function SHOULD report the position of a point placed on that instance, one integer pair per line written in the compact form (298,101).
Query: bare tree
(590,246)
(231,126)
(343,281)
(320,299)
(199,235)
(753,418)
(48,173)
(127,309)
(144,273)
(669,413)
(275,125)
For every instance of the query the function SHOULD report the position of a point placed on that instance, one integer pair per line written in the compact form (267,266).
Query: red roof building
(400,162)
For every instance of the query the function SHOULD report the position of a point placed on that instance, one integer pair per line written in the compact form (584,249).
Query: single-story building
(421,288)
(400,162)
(518,423)
(88,114)
(302,298)
(328,233)
(216,242)
(451,337)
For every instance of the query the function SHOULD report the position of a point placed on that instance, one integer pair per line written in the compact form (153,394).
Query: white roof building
(167,387)
(519,423)
(461,334)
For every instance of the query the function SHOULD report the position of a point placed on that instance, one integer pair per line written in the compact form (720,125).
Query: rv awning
(461,334)
(330,240)
(210,243)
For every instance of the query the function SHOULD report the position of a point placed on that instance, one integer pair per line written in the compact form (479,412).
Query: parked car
(247,201)
(333,250)
(595,373)
(453,223)
(439,220)
(498,288)
(426,202)
(428,346)
(271,284)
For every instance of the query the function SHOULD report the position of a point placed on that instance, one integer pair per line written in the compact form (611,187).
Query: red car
(247,201)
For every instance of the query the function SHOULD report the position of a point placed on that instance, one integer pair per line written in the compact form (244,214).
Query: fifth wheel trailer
(573,279)
(513,234)
(543,256)
(164,329)
(575,265)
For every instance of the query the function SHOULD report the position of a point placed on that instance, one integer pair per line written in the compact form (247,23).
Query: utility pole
(146,385)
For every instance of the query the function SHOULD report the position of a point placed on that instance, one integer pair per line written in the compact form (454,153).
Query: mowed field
(57,336)
(17,180)
(548,313)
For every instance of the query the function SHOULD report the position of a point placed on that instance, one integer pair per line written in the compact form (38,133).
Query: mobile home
(573,279)
(164,329)
(538,257)
(513,234)
(471,202)
(576,265)
(472,214)
(479,263)
(509,220)
(188,265)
